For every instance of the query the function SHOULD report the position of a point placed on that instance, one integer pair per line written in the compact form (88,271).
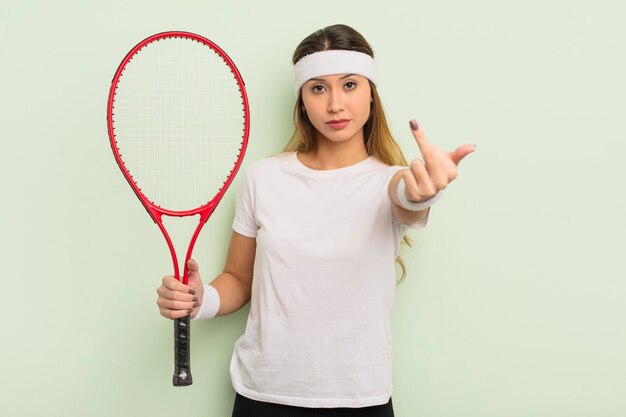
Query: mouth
(338,124)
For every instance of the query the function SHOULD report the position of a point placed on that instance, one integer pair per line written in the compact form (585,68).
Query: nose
(335,101)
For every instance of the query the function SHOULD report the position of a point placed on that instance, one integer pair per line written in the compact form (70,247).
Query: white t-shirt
(318,332)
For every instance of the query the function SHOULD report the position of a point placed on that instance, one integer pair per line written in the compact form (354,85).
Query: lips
(338,124)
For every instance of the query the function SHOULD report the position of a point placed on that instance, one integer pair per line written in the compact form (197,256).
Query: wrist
(210,304)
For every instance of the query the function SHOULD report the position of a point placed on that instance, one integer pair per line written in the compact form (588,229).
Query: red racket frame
(154,210)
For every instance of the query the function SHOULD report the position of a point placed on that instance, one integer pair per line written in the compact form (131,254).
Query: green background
(514,303)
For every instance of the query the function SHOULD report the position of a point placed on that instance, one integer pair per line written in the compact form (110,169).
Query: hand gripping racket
(178,122)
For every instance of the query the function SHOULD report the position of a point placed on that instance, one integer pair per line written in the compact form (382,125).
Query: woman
(318,227)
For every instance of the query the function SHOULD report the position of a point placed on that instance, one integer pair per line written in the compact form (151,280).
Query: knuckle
(163,293)
(180,305)
(416,163)
(181,296)
(413,196)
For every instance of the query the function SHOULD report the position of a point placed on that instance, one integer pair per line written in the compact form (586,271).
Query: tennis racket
(178,122)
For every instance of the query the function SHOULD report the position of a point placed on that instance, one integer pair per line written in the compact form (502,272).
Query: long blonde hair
(379,141)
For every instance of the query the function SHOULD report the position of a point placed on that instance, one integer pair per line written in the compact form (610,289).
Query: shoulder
(268,164)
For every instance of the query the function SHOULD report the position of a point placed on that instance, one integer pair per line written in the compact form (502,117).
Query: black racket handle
(182,347)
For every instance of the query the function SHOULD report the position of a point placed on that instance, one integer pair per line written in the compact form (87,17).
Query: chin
(340,138)
(340,135)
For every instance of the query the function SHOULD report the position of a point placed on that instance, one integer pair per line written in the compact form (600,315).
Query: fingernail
(413,125)
(195,299)
(196,305)
(190,311)
(192,291)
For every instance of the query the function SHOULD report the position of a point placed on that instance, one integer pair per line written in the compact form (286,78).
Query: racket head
(178,121)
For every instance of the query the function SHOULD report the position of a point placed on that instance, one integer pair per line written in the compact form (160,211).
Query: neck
(333,155)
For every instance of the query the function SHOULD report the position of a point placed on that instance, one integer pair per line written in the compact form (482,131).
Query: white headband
(333,62)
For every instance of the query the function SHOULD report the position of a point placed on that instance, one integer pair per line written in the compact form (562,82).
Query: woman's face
(343,97)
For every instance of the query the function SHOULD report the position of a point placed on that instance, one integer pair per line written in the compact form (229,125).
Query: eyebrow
(342,78)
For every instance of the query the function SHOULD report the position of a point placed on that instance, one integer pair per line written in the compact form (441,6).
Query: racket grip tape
(182,345)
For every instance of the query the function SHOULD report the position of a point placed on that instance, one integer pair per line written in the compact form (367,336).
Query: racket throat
(180,228)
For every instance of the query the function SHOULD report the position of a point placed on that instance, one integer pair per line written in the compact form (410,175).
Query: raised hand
(425,179)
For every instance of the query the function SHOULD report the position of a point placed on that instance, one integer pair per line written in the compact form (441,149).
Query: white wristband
(412,205)
(210,304)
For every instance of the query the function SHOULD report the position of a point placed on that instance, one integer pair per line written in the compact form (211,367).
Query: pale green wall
(514,304)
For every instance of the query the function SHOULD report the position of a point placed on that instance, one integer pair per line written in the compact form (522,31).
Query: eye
(317,88)
(351,85)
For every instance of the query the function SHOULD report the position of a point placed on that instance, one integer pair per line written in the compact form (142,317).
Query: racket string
(179,122)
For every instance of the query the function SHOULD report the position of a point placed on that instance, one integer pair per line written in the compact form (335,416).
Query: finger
(175,305)
(194,271)
(174,314)
(411,187)
(192,266)
(434,158)
(424,181)
(418,185)
(421,139)
(174,295)
(195,281)
(437,167)
(461,152)
(172,284)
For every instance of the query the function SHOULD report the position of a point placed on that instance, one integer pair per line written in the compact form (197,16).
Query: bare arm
(234,284)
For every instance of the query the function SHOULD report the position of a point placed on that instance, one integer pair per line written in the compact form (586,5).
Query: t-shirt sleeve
(244,222)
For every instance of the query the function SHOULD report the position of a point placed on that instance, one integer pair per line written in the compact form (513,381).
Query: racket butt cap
(182,379)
